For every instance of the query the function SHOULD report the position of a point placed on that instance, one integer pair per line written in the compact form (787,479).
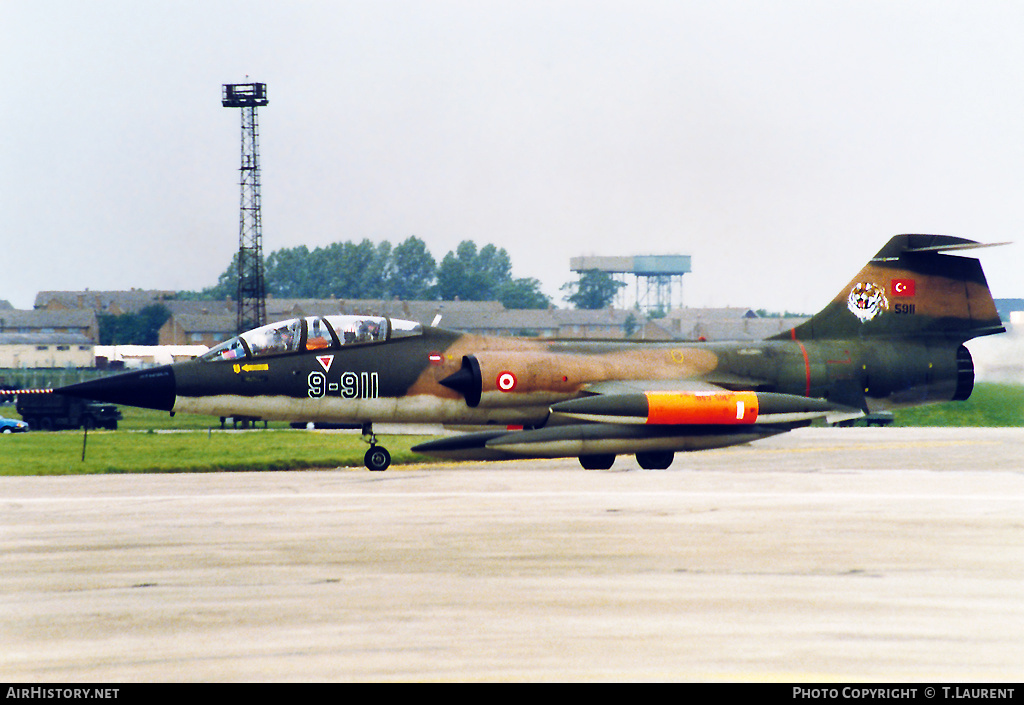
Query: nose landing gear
(377,459)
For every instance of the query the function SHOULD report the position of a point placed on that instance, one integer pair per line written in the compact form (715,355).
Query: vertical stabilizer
(910,290)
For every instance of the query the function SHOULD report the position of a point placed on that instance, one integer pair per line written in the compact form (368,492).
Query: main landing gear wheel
(377,459)
(655,459)
(597,462)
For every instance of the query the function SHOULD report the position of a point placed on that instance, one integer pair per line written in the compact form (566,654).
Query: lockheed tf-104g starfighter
(893,336)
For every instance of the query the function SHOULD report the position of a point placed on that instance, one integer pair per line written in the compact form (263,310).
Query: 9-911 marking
(351,385)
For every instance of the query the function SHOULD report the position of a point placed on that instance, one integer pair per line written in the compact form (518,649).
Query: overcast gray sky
(779,143)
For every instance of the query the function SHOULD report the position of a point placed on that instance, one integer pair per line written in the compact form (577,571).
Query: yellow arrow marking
(251,368)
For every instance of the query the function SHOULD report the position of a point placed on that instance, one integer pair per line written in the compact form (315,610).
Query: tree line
(364,270)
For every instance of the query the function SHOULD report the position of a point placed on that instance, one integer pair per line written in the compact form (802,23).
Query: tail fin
(910,290)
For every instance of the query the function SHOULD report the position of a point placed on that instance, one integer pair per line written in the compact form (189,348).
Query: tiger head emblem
(866,301)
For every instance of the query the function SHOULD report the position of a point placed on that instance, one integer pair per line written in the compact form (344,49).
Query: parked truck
(55,412)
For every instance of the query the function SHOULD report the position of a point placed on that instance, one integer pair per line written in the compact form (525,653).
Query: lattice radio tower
(252,299)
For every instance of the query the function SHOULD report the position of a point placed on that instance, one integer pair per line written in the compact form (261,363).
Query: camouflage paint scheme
(893,336)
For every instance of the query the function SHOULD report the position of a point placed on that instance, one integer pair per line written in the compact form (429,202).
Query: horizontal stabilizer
(929,243)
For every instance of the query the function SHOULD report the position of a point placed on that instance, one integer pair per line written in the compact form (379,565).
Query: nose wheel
(377,459)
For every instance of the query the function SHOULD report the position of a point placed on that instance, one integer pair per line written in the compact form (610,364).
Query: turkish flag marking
(903,287)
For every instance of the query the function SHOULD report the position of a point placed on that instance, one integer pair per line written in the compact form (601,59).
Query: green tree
(593,290)
(363,270)
(289,274)
(631,325)
(142,328)
(453,270)
(524,293)
(413,271)
(345,270)
(470,275)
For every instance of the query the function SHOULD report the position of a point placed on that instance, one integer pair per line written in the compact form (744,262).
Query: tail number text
(351,385)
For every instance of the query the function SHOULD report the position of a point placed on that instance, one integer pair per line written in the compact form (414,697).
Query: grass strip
(152,441)
(60,453)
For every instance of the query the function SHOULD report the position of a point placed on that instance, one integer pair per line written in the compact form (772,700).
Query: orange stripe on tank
(670,408)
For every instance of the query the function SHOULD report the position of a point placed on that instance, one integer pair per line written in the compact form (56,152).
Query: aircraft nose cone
(151,389)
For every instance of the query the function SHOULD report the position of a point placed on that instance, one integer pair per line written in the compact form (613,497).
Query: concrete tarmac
(822,555)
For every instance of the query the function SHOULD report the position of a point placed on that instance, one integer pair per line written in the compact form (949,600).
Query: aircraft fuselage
(893,336)
(400,382)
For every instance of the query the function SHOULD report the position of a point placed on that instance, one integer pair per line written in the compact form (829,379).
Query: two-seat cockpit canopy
(310,334)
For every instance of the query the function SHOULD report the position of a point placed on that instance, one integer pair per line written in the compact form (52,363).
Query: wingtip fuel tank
(660,408)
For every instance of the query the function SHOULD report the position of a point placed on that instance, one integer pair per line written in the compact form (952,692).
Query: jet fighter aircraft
(893,336)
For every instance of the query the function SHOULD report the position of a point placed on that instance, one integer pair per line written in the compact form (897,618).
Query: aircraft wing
(632,386)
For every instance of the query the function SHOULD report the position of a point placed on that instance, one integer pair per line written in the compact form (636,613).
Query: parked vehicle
(55,412)
(12,425)
(6,394)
